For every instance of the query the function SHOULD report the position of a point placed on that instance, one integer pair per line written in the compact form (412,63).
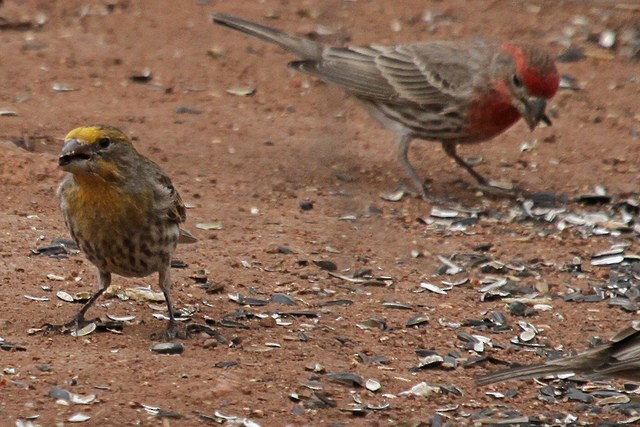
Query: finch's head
(530,78)
(98,150)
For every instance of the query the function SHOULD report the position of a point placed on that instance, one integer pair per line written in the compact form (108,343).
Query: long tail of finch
(617,357)
(299,46)
(521,373)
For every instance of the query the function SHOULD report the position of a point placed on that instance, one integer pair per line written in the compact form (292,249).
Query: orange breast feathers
(91,200)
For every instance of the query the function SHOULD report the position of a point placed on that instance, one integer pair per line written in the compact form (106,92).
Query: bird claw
(73,325)
(497,190)
(173,331)
(54,327)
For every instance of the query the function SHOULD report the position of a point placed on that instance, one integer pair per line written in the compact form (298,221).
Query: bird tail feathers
(520,373)
(299,46)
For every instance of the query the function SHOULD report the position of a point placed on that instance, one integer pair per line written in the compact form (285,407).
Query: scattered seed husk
(314,385)
(326,265)
(217,225)
(63,87)
(228,323)
(527,336)
(56,248)
(448,266)
(518,308)
(316,367)
(495,394)
(7,346)
(59,394)
(143,76)
(187,110)
(257,348)
(323,399)
(373,385)
(397,305)
(395,196)
(126,318)
(177,263)
(62,394)
(474,342)
(81,297)
(283,322)
(449,362)
(429,361)
(138,294)
(83,400)
(345,378)
(422,389)
(241,90)
(78,418)
(110,326)
(281,298)
(85,330)
(242,300)
(150,409)
(373,359)
(614,400)
(624,304)
(607,39)
(64,296)
(168,348)
(420,319)
(607,260)
(433,288)
(163,316)
(373,323)
(226,364)
(359,410)
(578,395)
(439,212)
(381,407)
(34,298)
(344,302)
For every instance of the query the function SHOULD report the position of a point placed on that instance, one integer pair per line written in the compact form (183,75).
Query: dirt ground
(246,166)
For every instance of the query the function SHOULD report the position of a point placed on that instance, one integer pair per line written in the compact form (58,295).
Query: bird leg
(173,330)
(450,149)
(483,184)
(402,150)
(78,321)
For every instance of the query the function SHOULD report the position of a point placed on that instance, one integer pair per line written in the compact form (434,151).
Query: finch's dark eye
(517,81)
(104,142)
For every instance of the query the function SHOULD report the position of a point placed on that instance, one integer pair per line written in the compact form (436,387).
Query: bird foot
(72,326)
(173,331)
(414,191)
(499,190)
(430,197)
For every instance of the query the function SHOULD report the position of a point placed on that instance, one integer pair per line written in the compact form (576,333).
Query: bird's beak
(72,151)
(533,111)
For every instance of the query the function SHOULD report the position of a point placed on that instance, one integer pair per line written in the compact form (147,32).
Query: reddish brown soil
(248,162)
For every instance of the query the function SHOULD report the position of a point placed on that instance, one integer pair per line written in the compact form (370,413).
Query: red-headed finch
(454,92)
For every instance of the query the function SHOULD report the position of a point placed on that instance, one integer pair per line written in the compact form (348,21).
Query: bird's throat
(490,114)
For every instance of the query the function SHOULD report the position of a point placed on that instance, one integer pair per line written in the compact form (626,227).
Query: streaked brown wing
(168,197)
(432,73)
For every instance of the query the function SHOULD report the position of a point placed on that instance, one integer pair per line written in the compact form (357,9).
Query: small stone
(268,322)
(210,343)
